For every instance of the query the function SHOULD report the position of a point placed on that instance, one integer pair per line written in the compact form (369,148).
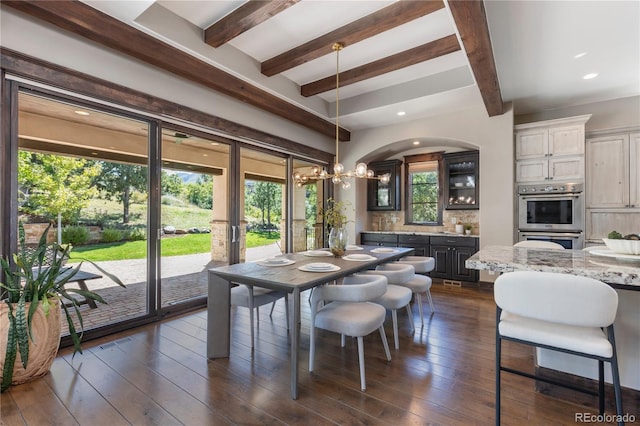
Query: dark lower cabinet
(376,239)
(419,242)
(450,254)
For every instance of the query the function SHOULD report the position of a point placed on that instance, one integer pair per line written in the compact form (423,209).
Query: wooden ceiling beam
(81,19)
(242,19)
(385,19)
(395,62)
(471,20)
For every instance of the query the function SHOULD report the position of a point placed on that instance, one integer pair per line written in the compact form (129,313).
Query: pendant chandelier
(340,175)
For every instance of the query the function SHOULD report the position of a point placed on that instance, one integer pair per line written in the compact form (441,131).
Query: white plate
(384,250)
(317,253)
(319,267)
(276,260)
(279,263)
(359,257)
(351,247)
(611,253)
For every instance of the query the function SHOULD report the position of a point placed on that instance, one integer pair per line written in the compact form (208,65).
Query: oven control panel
(559,188)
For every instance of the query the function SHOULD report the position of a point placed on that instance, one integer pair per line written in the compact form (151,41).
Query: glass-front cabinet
(461,180)
(384,196)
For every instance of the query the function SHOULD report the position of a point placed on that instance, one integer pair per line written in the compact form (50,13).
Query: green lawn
(170,246)
(185,217)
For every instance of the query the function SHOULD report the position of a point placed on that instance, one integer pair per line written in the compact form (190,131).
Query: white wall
(35,38)
(492,136)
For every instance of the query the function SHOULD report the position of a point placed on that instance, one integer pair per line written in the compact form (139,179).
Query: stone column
(220,221)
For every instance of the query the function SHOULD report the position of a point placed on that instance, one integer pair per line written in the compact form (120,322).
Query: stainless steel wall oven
(547,211)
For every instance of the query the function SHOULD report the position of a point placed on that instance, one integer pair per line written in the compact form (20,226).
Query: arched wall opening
(470,129)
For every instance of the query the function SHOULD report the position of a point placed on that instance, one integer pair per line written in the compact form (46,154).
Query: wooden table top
(289,277)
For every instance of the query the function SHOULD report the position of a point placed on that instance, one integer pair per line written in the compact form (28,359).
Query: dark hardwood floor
(159,375)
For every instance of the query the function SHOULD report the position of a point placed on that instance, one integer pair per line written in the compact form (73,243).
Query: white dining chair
(253,297)
(396,297)
(423,265)
(347,310)
(404,275)
(539,244)
(560,312)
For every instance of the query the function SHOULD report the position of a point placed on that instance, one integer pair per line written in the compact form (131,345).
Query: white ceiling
(534,44)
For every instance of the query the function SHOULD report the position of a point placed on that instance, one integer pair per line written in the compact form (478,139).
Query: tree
(311,204)
(267,197)
(171,184)
(200,193)
(118,181)
(52,185)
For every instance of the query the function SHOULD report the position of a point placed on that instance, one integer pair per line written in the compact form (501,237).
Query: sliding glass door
(260,227)
(83,174)
(194,214)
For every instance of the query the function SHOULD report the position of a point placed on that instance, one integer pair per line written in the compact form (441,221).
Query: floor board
(158,374)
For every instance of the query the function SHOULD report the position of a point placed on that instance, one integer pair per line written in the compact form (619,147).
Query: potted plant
(467,228)
(33,297)
(336,219)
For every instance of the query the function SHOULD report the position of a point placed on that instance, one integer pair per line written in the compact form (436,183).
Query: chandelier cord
(337,47)
(340,174)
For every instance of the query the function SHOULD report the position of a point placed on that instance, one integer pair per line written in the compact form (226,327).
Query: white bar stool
(561,312)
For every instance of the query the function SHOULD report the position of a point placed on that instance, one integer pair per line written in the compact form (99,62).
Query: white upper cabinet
(634,169)
(550,150)
(566,140)
(613,171)
(608,172)
(532,143)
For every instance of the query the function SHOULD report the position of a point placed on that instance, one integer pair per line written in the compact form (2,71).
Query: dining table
(294,275)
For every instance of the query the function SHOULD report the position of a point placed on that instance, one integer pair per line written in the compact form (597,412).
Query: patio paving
(183,278)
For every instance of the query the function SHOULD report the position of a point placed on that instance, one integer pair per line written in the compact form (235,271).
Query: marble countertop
(623,273)
(432,234)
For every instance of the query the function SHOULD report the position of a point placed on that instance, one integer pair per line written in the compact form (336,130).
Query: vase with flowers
(336,219)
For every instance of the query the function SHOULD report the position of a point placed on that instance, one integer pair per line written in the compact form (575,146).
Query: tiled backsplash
(394,221)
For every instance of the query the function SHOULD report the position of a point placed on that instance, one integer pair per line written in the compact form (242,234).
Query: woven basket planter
(43,348)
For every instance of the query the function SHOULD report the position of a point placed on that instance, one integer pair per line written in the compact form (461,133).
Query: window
(423,189)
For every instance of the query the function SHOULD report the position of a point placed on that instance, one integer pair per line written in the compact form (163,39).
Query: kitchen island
(622,274)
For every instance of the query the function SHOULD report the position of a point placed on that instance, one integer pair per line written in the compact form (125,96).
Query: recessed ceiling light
(401,113)
(94,153)
(590,76)
(80,112)
(215,143)
(205,155)
(579,55)
(416,142)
